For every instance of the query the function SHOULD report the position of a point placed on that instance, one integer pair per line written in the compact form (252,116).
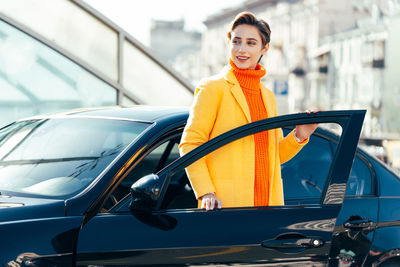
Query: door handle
(292,241)
(357,223)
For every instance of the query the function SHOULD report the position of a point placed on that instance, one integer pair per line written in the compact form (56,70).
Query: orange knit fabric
(249,81)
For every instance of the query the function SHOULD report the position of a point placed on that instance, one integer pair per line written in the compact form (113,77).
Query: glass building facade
(57,55)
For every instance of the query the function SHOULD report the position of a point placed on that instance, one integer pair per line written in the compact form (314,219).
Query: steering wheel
(307,183)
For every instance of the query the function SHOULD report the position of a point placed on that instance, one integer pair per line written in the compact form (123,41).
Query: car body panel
(15,208)
(352,246)
(386,242)
(387,232)
(348,247)
(196,236)
(51,239)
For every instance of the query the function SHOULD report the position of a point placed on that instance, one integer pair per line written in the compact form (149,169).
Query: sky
(135,16)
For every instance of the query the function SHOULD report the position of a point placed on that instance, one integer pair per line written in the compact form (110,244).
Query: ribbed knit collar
(248,79)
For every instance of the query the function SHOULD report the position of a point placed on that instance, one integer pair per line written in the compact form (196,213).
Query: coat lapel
(237,92)
(241,99)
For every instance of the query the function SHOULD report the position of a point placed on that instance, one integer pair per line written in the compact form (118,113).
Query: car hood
(14,208)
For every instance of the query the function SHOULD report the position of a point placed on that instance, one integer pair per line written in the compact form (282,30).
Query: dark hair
(249,18)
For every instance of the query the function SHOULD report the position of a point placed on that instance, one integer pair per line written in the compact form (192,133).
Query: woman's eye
(251,43)
(235,42)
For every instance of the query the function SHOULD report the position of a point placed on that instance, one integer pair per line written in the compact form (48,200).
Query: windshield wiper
(38,161)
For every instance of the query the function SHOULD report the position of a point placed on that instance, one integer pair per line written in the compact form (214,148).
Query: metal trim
(73,116)
(120,66)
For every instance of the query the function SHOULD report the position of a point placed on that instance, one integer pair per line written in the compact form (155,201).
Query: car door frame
(350,120)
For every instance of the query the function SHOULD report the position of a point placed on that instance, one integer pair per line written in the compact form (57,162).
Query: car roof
(138,113)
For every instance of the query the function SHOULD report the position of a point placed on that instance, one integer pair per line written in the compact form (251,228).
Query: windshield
(59,157)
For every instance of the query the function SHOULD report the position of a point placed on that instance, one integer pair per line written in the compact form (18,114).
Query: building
(358,69)
(297,27)
(62,54)
(178,47)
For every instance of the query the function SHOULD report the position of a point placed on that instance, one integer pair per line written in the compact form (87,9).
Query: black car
(106,187)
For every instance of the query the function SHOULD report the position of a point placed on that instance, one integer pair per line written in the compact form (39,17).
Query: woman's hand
(210,201)
(304,131)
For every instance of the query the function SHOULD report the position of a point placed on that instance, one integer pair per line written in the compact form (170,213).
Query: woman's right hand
(210,201)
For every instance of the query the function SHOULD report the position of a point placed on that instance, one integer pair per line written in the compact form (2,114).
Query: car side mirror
(145,192)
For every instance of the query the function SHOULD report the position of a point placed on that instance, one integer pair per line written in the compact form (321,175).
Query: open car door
(287,235)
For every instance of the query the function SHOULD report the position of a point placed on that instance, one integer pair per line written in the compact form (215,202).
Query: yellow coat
(219,105)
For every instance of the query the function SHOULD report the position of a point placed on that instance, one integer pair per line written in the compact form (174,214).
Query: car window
(157,158)
(179,194)
(360,180)
(304,176)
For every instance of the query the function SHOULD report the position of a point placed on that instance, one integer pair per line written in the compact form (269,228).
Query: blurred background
(57,55)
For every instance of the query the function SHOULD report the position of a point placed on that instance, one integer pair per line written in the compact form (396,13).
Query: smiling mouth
(242,59)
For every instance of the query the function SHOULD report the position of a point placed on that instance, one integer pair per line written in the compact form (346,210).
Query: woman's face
(246,46)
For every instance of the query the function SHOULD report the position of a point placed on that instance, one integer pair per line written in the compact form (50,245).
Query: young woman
(245,172)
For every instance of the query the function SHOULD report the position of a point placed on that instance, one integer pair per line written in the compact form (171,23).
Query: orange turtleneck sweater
(249,81)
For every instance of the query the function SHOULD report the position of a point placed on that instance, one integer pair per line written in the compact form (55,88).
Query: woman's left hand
(304,131)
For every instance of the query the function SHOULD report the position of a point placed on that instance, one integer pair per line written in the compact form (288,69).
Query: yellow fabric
(219,105)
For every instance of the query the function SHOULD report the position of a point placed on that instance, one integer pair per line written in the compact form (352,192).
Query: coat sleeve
(288,146)
(199,126)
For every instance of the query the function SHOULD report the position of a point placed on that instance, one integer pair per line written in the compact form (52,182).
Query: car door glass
(304,176)
(179,194)
(360,180)
(174,152)
(157,158)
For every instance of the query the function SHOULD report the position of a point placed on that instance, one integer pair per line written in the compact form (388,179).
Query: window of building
(70,27)
(35,79)
(149,82)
